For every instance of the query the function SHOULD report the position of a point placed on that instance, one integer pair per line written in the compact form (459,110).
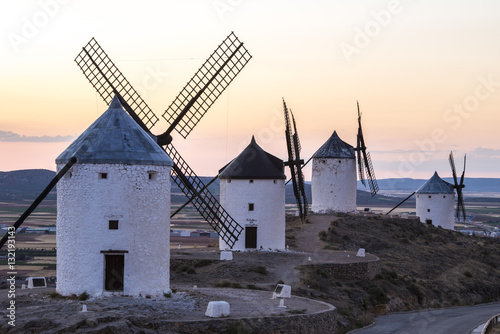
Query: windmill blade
(206,85)
(361,167)
(294,162)
(463,173)
(365,159)
(460,212)
(193,197)
(108,81)
(452,165)
(372,181)
(206,204)
(304,208)
(39,199)
(407,198)
(305,164)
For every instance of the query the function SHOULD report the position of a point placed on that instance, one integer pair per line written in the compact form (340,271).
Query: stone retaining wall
(320,322)
(349,271)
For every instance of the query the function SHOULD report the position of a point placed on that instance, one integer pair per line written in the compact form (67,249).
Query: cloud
(9,136)
(489,153)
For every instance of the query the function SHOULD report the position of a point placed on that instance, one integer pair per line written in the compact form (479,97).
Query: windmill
(458,186)
(197,96)
(460,211)
(294,162)
(364,160)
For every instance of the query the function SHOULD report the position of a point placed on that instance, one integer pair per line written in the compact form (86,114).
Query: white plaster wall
(441,209)
(333,185)
(85,204)
(269,210)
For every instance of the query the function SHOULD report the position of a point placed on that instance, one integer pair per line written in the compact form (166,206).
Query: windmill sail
(107,80)
(295,163)
(206,85)
(183,114)
(206,204)
(460,210)
(365,161)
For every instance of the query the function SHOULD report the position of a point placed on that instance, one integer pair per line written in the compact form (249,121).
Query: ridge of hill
(472,184)
(28,183)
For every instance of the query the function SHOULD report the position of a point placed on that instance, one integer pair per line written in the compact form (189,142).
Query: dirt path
(306,235)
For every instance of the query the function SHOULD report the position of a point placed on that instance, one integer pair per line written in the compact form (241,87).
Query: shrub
(261,270)
(55,295)
(84,296)
(413,288)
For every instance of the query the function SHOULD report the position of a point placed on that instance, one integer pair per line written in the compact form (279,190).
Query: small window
(103,175)
(228,180)
(274,181)
(340,161)
(429,196)
(152,175)
(250,206)
(251,181)
(428,221)
(428,210)
(444,196)
(113,224)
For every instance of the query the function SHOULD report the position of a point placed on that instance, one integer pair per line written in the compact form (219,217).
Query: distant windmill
(295,163)
(429,205)
(208,83)
(364,160)
(333,180)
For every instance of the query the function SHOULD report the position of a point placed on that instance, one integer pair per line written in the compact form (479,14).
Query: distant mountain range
(27,185)
(476,185)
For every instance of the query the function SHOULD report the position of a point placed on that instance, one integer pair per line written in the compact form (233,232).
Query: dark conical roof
(254,163)
(335,147)
(436,185)
(115,138)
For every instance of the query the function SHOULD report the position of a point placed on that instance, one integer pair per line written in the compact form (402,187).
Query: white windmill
(113,211)
(252,190)
(333,180)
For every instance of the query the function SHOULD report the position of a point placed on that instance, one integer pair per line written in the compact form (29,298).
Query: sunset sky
(426,75)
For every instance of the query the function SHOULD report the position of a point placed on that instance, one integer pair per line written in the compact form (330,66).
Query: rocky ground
(38,311)
(420,267)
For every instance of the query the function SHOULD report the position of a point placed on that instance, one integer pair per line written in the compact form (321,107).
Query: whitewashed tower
(113,211)
(435,202)
(333,180)
(252,190)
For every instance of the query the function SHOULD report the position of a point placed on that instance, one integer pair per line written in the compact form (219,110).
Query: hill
(27,184)
(421,266)
(24,184)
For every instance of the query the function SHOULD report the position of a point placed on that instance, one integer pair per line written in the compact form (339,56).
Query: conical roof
(115,138)
(254,163)
(335,147)
(436,185)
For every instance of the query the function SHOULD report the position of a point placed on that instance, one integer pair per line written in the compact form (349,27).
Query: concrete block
(226,255)
(282,291)
(217,309)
